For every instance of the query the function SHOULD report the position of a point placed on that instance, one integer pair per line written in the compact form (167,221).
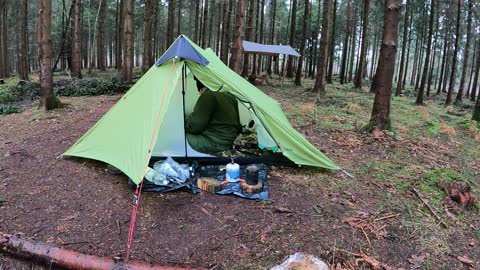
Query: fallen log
(69,259)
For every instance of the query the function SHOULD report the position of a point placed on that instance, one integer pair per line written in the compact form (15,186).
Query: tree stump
(209,184)
(252,188)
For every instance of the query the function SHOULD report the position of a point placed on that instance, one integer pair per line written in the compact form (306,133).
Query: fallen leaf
(416,261)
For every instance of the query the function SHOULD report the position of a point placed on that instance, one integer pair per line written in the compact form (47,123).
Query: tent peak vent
(182,48)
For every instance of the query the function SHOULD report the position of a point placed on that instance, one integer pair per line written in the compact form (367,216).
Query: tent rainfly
(149,119)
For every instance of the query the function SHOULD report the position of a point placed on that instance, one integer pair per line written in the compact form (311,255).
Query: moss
(51,103)
(372,124)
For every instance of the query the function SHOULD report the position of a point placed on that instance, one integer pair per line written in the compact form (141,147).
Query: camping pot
(252,175)
(233,171)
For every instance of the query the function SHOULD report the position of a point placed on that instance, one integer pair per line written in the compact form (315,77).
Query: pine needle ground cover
(393,213)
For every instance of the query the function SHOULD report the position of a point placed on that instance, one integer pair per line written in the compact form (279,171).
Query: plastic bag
(172,170)
(156,177)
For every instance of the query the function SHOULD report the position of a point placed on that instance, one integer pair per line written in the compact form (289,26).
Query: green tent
(149,119)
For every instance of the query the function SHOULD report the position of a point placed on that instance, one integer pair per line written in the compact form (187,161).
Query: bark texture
(421,90)
(69,259)
(48,100)
(343,66)
(127,70)
(119,34)
(380,118)
(363,50)
(466,58)
(404,46)
(332,44)
(22,41)
(235,60)
(101,56)
(170,22)
(148,22)
(453,74)
(227,11)
(306,12)
(291,40)
(76,41)
(204,27)
(248,36)
(475,77)
(319,86)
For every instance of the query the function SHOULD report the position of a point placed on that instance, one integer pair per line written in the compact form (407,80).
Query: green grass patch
(430,180)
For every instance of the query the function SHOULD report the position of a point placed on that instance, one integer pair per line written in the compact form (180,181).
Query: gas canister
(232,171)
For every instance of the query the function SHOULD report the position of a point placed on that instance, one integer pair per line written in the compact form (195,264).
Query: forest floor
(371,221)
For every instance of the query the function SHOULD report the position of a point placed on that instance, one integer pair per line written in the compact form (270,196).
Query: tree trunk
(119,34)
(22,40)
(272,35)
(421,90)
(148,22)
(235,60)
(472,69)
(225,30)
(404,80)
(430,76)
(76,42)
(416,77)
(319,86)
(444,61)
(466,53)
(453,74)
(2,56)
(475,77)
(380,118)
(315,41)
(298,77)
(205,23)
(374,52)
(127,70)
(170,22)
(447,71)
(404,46)
(345,46)
(332,44)
(5,63)
(197,15)
(352,50)
(179,15)
(262,26)
(48,100)
(291,40)
(248,35)
(363,50)
(101,56)
(68,259)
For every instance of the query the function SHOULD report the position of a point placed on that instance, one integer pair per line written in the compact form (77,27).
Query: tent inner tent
(149,119)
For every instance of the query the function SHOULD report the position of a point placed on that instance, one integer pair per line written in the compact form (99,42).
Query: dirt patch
(76,204)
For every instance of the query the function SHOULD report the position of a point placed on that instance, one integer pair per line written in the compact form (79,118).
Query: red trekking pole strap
(133,219)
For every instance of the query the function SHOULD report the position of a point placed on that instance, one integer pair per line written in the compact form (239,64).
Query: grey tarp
(252,47)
